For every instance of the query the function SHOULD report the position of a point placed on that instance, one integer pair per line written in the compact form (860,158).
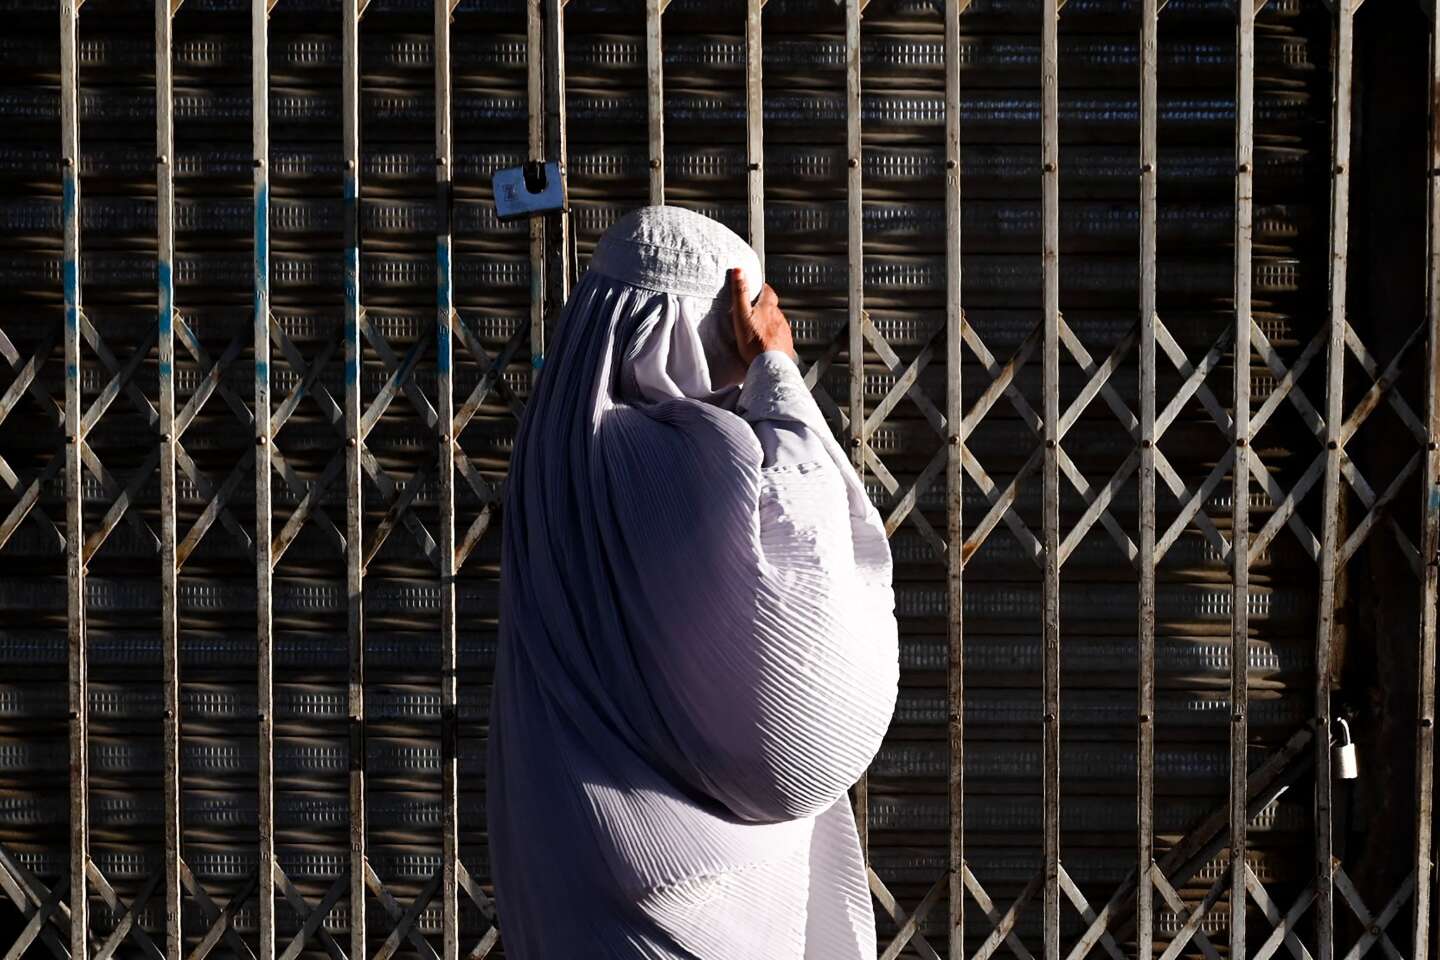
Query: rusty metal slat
(558,225)
(1342,50)
(169,571)
(352,489)
(1240,490)
(264,546)
(1050,352)
(655,97)
(535,116)
(855,286)
(74,539)
(446,452)
(1430,510)
(1145,679)
(755,127)
(954,481)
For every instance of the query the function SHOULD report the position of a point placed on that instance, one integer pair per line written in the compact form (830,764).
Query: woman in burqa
(697,651)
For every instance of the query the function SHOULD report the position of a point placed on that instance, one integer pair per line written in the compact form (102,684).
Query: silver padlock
(528,190)
(1342,755)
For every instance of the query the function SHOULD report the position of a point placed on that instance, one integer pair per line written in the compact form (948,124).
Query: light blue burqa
(697,637)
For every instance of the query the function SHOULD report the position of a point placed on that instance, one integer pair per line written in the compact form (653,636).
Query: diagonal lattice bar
(1376,927)
(486,907)
(220,920)
(311,919)
(909,933)
(1082,906)
(397,913)
(1002,926)
(1284,931)
(1190,929)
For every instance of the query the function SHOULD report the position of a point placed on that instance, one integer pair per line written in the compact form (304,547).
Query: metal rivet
(753,166)
(1049,167)
(854,441)
(1144,718)
(164,438)
(349,164)
(162,159)
(1147,167)
(1243,168)
(67,161)
(74,715)
(1240,442)
(259,161)
(654,163)
(951,164)
(70,438)
(1049,444)
(1339,168)
(954,718)
(1147,444)
(444,438)
(1332,445)
(260,441)
(350,442)
(1239,715)
(1432,446)
(262,717)
(441,161)
(169,714)
(1426,722)
(853,162)
(1049,718)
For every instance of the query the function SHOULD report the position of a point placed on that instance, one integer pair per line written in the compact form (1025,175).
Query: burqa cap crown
(675,250)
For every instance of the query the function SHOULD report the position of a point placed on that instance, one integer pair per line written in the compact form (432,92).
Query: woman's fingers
(739,294)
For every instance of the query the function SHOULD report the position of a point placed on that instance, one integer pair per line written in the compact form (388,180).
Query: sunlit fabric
(697,652)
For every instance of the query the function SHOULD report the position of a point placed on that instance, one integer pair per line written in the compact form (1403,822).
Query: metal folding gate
(286,399)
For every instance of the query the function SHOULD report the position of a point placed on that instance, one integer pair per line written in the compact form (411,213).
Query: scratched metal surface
(904,272)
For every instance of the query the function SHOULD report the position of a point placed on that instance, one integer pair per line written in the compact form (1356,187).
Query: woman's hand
(761,327)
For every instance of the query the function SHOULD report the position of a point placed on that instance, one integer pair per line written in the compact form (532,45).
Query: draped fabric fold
(697,648)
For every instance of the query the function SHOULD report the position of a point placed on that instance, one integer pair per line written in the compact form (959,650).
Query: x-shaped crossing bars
(490,380)
(219,919)
(487,909)
(29,493)
(43,908)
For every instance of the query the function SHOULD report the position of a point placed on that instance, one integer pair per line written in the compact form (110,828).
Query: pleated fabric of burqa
(697,640)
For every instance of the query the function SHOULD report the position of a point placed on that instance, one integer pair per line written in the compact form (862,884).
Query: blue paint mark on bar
(262,371)
(70,271)
(443,332)
(537,361)
(262,236)
(167,297)
(352,280)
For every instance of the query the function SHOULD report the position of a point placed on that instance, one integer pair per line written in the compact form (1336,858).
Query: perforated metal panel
(264,368)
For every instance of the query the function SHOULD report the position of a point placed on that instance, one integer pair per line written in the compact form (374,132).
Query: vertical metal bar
(558,225)
(655,98)
(264,564)
(1145,680)
(855,246)
(954,486)
(1240,488)
(1050,265)
(169,573)
(535,102)
(1341,58)
(755,127)
(354,441)
(445,410)
(74,514)
(1430,506)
